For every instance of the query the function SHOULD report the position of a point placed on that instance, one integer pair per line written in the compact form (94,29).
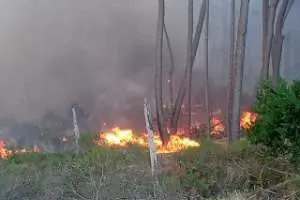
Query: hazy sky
(99,52)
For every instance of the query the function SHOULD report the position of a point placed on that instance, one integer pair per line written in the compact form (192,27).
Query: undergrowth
(213,171)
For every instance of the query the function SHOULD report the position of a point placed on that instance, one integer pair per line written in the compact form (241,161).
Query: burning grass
(124,138)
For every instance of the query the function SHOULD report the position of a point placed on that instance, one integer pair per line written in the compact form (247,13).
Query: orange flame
(248,119)
(123,138)
(6,153)
(217,126)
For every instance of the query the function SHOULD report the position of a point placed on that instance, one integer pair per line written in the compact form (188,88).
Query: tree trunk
(269,39)
(278,39)
(189,63)
(206,60)
(159,73)
(171,69)
(239,56)
(265,13)
(180,96)
(231,70)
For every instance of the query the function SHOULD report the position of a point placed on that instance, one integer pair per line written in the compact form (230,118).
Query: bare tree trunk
(265,13)
(183,85)
(230,72)
(269,39)
(159,72)
(152,147)
(206,60)
(189,63)
(239,67)
(76,130)
(171,69)
(277,42)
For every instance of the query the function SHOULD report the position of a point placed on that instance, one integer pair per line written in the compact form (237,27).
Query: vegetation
(278,125)
(215,170)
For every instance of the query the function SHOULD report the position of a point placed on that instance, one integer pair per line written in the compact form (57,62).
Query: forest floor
(213,171)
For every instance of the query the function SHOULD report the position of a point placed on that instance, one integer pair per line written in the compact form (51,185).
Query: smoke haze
(99,52)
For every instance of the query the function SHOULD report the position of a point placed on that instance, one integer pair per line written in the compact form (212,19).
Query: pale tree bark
(189,58)
(180,96)
(231,75)
(239,56)
(206,62)
(76,130)
(159,73)
(150,132)
(277,43)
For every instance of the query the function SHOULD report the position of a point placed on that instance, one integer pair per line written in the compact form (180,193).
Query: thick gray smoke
(98,52)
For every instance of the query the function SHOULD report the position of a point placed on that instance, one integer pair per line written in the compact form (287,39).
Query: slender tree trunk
(206,60)
(265,14)
(283,8)
(269,38)
(159,72)
(183,85)
(239,66)
(171,69)
(189,58)
(230,72)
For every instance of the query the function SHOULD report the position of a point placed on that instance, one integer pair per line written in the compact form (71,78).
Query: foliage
(278,125)
(86,141)
(214,170)
(99,173)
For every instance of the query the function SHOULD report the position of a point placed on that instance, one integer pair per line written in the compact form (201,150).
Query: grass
(213,171)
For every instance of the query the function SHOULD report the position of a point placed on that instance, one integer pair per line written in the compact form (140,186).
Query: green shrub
(278,125)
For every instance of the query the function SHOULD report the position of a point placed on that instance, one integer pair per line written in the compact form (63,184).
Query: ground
(208,172)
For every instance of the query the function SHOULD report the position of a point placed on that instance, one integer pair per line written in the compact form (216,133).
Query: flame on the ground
(6,153)
(123,138)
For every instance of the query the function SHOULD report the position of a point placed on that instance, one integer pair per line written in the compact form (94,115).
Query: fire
(217,126)
(248,119)
(6,153)
(123,138)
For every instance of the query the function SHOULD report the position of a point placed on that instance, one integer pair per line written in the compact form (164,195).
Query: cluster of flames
(6,153)
(123,138)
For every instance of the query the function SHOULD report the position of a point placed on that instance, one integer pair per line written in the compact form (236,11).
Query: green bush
(278,125)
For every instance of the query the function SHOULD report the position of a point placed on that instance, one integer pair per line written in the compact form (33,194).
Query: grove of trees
(274,14)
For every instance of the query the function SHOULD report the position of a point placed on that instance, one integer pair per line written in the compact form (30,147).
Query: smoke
(98,53)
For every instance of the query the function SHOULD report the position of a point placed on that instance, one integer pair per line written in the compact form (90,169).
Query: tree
(274,13)
(181,93)
(159,72)
(239,57)
(171,69)
(189,58)
(270,17)
(230,72)
(277,42)
(206,60)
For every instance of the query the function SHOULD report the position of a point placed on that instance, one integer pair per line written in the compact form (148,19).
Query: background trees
(274,14)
